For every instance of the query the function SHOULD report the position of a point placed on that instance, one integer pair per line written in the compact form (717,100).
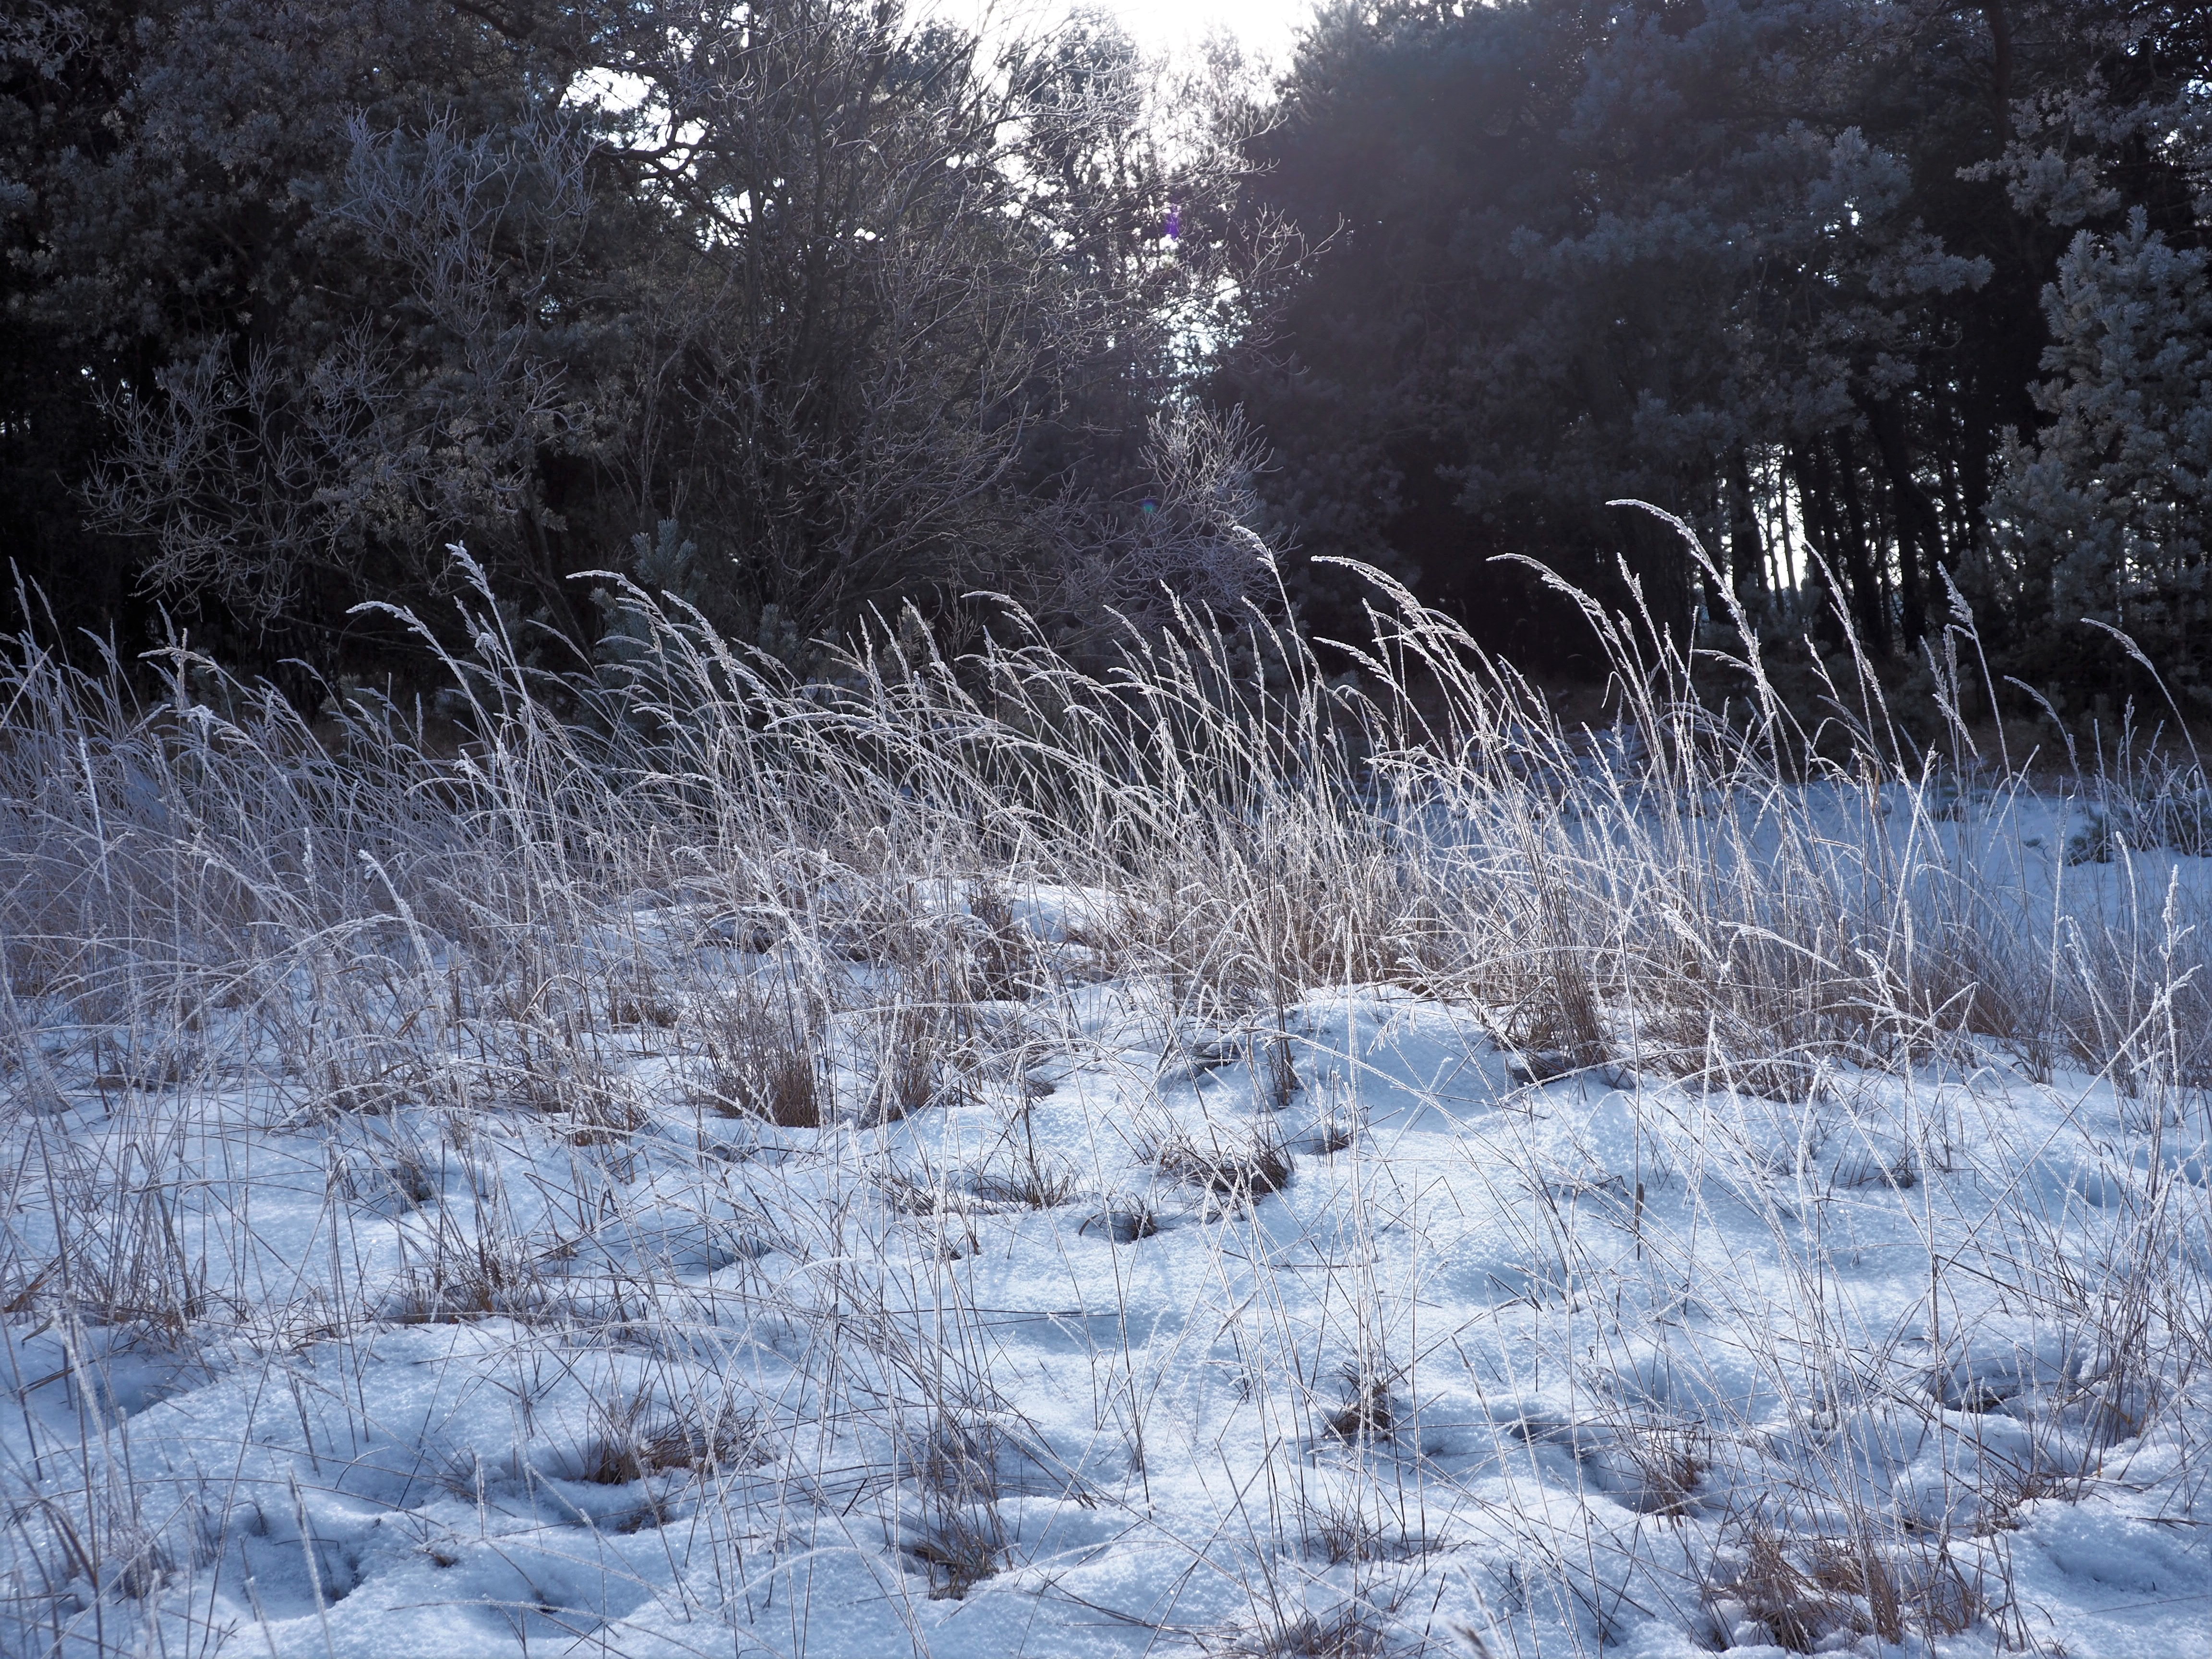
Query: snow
(1506,1365)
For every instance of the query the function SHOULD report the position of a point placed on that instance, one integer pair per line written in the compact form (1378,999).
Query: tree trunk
(1919,529)
(1747,547)
(1858,560)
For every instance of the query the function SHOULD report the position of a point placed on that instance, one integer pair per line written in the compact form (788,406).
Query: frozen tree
(2109,509)
(856,298)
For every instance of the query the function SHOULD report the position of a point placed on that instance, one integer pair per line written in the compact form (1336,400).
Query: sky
(1266,26)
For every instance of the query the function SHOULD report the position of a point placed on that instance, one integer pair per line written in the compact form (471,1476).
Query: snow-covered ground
(992,1157)
(1337,1329)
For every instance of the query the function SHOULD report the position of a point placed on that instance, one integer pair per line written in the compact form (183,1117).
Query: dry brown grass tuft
(764,1044)
(1236,1171)
(1349,1631)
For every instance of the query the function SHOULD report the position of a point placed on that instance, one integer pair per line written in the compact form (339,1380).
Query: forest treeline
(805,308)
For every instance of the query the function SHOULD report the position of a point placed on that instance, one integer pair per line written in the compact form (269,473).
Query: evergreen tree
(1777,265)
(2104,508)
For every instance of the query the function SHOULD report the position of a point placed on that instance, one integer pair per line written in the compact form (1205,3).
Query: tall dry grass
(218,916)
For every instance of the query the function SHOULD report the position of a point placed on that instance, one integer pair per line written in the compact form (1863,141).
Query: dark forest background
(806,309)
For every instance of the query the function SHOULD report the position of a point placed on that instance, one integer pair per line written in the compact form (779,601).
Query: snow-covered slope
(1337,1331)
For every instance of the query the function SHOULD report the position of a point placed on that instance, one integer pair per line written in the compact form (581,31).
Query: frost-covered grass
(986,1158)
